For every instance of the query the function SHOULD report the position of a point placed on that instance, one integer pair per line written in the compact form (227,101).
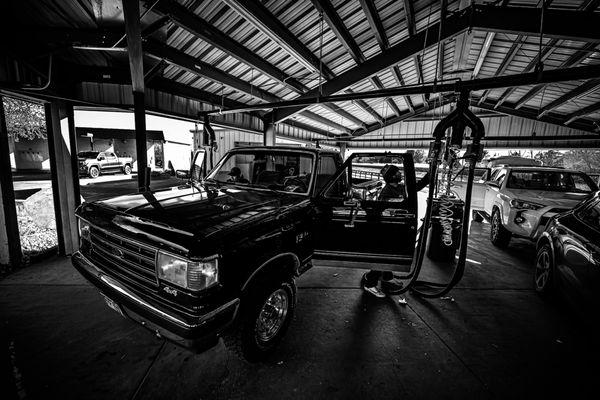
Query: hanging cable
(540,64)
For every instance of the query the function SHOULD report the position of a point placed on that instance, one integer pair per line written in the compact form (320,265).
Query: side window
(327,168)
(500,177)
(111,155)
(101,156)
(591,215)
(580,184)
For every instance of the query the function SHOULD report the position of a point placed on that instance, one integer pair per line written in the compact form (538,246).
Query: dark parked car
(190,261)
(568,255)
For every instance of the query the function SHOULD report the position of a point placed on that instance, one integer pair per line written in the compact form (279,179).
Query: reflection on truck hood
(200,213)
(548,198)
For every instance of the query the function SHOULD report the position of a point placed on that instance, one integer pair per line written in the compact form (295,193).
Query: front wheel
(543,277)
(264,319)
(94,172)
(499,235)
(477,216)
(127,170)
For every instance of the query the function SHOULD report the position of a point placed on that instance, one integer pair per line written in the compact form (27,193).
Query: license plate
(112,304)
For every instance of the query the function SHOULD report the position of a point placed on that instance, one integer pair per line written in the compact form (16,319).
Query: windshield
(87,154)
(555,181)
(287,171)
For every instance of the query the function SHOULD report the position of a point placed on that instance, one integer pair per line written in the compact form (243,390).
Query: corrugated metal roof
(302,19)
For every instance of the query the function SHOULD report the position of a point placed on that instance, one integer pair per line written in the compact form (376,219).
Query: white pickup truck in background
(94,163)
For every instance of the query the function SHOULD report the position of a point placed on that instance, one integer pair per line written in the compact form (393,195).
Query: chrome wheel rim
(272,315)
(542,270)
(94,173)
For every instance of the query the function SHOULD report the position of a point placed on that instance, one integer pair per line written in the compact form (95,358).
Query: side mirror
(182,173)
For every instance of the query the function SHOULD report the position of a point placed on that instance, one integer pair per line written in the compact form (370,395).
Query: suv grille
(132,259)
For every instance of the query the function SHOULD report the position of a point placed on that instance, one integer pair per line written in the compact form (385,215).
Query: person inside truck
(394,190)
(235,176)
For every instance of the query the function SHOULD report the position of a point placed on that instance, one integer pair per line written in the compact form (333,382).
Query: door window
(378,178)
(327,168)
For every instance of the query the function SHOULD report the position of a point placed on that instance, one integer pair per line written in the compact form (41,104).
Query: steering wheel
(300,185)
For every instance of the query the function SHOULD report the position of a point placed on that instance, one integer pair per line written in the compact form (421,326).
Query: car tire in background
(543,276)
(499,235)
(94,172)
(265,315)
(127,169)
(477,216)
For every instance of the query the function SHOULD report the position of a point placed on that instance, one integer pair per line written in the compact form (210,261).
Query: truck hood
(549,198)
(181,216)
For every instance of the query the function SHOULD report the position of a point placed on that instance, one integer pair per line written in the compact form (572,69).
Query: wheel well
(542,241)
(284,265)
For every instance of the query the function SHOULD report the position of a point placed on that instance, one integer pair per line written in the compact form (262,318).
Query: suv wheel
(94,172)
(127,169)
(499,235)
(264,319)
(477,216)
(543,277)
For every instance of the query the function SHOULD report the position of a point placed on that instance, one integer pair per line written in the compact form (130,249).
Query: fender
(545,236)
(264,265)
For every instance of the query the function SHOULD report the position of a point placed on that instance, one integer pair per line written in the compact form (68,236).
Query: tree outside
(24,120)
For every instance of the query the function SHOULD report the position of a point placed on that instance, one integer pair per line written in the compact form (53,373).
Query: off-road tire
(94,172)
(499,235)
(242,339)
(543,275)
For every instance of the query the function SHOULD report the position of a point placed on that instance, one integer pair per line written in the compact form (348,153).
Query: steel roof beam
(582,113)
(187,20)
(322,120)
(408,114)
(510,55)
(259,16)
(199,68)
(379,32)
(412,31)
(572,61)
(489,38)
(344,114)
(336,24)
(392,56)
(580,91)
(529,113)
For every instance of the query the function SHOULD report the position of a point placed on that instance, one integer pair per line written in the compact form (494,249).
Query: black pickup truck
(218,256)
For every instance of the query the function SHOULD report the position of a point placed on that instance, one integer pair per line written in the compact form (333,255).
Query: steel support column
(269,134)
(74,151)
(62,189)
(131,10)
(10,244)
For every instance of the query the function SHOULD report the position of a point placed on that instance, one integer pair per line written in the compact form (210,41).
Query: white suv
(520,200)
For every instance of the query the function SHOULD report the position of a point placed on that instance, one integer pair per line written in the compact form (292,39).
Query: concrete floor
(497,339)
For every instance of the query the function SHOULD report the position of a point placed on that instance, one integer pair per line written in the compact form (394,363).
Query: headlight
(188,274)
(515,203)
(84,230)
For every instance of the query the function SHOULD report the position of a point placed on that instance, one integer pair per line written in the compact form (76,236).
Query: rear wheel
(94,172)
(543,277)
(265,315)
(499,235)
(127,169)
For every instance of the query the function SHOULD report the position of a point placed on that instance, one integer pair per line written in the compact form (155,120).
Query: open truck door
(359,225)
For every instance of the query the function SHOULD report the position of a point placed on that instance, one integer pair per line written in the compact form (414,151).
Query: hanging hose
(458,120)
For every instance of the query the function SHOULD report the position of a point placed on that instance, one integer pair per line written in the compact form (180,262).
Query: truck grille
(131,259)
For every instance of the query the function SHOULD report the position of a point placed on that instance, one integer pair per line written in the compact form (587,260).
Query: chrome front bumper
(197,332)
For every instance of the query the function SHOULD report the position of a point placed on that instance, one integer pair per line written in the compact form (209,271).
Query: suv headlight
(188,274)
(527,205)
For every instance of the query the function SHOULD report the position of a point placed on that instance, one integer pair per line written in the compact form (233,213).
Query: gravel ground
(35,240)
